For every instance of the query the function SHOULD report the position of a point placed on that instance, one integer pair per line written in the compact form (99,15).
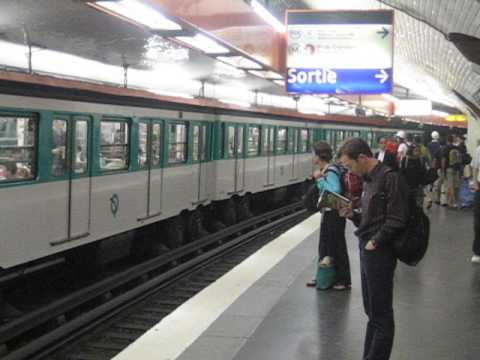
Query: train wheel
(175,230)
(228,214)
(243,208)
(195,228)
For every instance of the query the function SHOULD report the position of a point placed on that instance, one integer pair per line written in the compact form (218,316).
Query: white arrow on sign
(383,76)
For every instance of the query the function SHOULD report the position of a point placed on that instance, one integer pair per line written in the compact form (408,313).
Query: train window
(370,138)
(303,145)
(199,142)
(81,147)
(292,140)
(310,139)
(114,145)
(281,140)
(328,137)
(17,148)
(231,141)
(253,140)
(241,131)
(59,146)
(156,151)
(142,145)
(177,144)
(267,140)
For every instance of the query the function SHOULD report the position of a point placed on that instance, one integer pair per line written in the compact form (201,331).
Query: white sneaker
(476,259)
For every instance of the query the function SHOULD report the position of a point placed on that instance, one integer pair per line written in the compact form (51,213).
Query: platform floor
(437,307)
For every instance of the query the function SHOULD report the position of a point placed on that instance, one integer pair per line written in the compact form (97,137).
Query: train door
(239,159)
(268,146)
(292,147)
(71,162)
(200,156)
(150,134)
(235,148)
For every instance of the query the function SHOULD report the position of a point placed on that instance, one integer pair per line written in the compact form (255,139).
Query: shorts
(453,178)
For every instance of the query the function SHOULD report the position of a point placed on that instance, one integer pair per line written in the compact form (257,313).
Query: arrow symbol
(383,76)
(384,32)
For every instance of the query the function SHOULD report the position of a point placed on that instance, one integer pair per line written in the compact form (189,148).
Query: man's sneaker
(341,287)
(476,259)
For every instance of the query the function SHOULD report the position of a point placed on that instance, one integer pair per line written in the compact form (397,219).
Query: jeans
(476,224)
(377,269)
(332,243)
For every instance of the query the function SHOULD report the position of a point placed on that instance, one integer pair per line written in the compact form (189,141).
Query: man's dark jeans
(377,269)
(476,224)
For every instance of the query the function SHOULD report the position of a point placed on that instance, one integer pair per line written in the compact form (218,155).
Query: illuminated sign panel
(339,52)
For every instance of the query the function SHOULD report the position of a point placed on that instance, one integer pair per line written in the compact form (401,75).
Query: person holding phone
(384,214)
(332,241)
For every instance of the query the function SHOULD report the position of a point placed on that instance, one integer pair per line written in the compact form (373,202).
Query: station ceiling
(432,41)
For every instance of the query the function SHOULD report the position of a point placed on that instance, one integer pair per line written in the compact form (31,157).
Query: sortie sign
(340,52)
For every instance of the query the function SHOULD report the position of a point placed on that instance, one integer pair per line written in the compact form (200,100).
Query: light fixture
(235,102)
(267,16)
(240,62)
(440,113)
(137,11)
(311,112)
(390,97)
(204,43)
(280,82)
(221,69)
(171,93)
(266,74)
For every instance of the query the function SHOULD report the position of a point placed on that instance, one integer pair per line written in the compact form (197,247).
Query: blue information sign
(339,81)
(340,52)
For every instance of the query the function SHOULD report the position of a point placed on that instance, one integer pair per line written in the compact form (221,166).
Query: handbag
(310,199)
(326,275)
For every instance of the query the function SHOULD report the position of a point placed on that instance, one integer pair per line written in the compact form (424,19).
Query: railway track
(100,320)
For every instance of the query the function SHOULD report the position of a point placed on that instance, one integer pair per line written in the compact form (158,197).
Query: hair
(450,139)
(323,150)
(409,137)
(353,148)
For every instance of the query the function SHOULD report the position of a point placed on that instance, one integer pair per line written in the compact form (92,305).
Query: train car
(75,172)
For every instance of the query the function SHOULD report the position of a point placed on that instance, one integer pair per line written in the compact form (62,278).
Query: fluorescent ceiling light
(413,107)
(235,102)
(171,93)
(266,74)
(240,62)
(204,43)
(267,16)
(222,69)
(390,97)
(280,82)
(311,112)
(440,113)
(137,11)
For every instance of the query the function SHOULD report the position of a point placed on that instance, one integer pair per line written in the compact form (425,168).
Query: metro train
(74,172)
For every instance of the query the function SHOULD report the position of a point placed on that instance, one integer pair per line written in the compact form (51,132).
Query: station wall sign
(339,52)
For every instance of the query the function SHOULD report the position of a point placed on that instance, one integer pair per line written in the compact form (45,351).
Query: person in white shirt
(402,147)
(476,207)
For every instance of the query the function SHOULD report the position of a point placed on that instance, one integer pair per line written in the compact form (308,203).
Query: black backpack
(411,244)
(466,158)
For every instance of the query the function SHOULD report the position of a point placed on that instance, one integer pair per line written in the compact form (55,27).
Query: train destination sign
(340,52)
